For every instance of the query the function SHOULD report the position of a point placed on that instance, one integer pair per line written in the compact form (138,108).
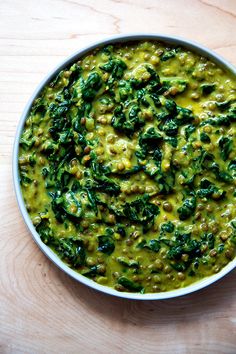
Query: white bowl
(50,254)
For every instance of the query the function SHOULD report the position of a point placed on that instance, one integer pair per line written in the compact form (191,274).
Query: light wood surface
(42,309)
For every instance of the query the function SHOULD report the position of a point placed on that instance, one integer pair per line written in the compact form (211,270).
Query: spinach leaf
(189,175)
(149,141)
(173,141)
(175,114)
(226,146)
(58,111)
(170,127)
(108,50)
(223,105)
(66,205)
(168,227)
(45,232)
(232,165)
(207,88)
(153,245)
(207,189)
(233,224)
(184,244)
(206,162)
(125,90)
(166,181)
(27,139)
(205,138)
(127,123)
(39,107)
(99,179)
(56,79)
(92,199)
(97,168)
(106,244)
(171,106)
(179,84)
(168,54)
(120,229)
(71,204)
(129,284)
(71,249)
(92,272)
(130,263)
(221,120)
(24,178)
(220,175)
(90,87)
(141,210)
(60,128)
(232,168)
(209,240)
(154,82)
(189,130)
(156,99)
(105,184)
(184,116)
(115,67)
(187,209)
(75,74)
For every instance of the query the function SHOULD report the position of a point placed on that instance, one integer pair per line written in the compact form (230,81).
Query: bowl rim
(123,38)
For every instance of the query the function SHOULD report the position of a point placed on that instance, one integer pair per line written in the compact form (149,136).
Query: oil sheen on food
(128,166)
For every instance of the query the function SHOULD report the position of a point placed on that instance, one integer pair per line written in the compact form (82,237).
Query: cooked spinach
(207,88)
(153,245)
(168,54)
(129,284)
(149,141)
(178,84)
(130,263)
(128,122)
(205,138)
(92,272)
(183,244)
(66,205)
(189,130)
(44,231)
(72,250)
(207,189)
(188,208)
(141,210)
(90,87)
(106,244)
(115,67)
(226,146)
(168,227)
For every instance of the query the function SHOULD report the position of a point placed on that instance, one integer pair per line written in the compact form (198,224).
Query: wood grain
(42,309)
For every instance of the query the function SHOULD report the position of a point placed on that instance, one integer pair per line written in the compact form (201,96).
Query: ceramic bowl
(48,252)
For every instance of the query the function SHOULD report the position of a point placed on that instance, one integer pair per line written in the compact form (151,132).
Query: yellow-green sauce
(128,166)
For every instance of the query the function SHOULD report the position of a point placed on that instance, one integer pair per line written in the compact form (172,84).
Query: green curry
(128,166)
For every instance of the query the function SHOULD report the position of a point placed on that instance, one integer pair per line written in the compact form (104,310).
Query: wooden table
(42,309)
